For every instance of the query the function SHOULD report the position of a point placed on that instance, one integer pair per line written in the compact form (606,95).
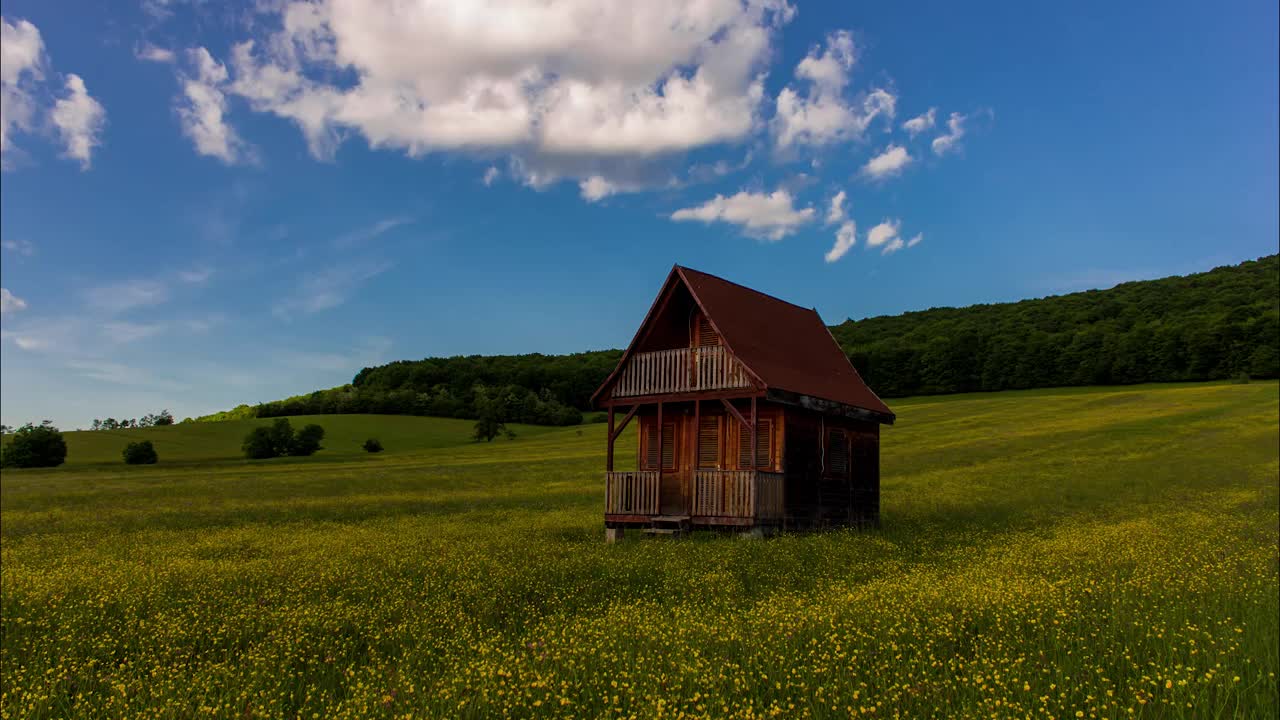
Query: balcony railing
(681,370)
(738,494)
(631,493)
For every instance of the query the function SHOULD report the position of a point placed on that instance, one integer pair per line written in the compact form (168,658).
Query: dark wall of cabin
(832,469)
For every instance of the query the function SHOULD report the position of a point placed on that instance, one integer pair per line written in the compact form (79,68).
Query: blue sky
(205,205)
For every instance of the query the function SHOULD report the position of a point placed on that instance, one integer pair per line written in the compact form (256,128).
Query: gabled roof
(786,347)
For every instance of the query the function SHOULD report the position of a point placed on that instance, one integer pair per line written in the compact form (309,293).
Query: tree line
(1220,324)
(164,417)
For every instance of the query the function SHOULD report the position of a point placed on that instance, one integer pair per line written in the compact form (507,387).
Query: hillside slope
(1212,325)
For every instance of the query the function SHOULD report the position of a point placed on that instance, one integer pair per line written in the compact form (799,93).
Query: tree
(307,441)
(258,444)
(372,445)
(140,453)
(164,417)
(281,434)
(34,446)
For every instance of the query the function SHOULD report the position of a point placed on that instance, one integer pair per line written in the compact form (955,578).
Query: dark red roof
(788,347)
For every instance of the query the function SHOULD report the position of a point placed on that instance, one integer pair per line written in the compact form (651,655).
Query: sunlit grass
(1106,553)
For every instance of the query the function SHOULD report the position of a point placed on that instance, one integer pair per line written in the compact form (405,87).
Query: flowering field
(1097,553)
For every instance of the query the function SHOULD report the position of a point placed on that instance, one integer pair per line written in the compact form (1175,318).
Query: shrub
(307,441)
(34,446)
(140,453)
(372,445)
(258,444)
(281,433)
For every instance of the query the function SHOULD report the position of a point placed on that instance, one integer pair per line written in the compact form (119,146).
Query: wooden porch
(719,498)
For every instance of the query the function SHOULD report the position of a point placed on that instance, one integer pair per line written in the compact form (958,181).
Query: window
(709,443)
(764,445)
(706,335)
(837,453)
(653,453)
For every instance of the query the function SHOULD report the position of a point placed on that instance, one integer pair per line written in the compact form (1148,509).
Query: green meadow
(1078,553)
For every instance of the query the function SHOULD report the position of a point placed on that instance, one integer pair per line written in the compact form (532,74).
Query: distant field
(1093,552)
(344,435)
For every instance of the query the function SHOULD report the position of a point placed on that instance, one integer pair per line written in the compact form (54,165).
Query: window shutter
(764,445)
(706,335)
(668,446)
(709,443)
(837,453)
(650,446)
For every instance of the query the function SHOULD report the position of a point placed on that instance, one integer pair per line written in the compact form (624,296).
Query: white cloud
(21,66)
(915,240)
(22,247)
(554,84)
(836,213)
(151,53)
(124,296)
(328,288)
(944,144)
(120,332)
(202,108)
(846,236)
(491,176)
(888,163)
(883,233)
(10,303)
(770,216)
(822,115)
(196,276)
(921,123)
(79,119)
(596,188)
(893,246)
(372,232)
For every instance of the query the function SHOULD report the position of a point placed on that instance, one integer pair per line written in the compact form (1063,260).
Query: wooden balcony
(681,370)
(720,497)
(739,494)
(632,493)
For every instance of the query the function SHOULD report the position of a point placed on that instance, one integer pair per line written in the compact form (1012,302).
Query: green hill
(344,436)
(1218,324)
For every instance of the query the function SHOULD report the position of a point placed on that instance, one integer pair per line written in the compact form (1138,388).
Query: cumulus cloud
(947,142)
(836,213)
(10,303)
(554,84)
(202,108)
(888,163)
(79,120)
(491,176)
(771,216)
(21,67)
(596,188)
(151,53)
(821,115)
(76,117)
(883,233)
(921,123)
(846,235)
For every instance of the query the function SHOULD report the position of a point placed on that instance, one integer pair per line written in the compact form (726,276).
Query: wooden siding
(681,370)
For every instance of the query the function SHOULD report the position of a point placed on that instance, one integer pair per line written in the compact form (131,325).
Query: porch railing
(631,493)
(738,494)
(681,370)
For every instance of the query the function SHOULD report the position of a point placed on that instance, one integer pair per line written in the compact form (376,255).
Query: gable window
(837,453)
(706,335)
(764,445)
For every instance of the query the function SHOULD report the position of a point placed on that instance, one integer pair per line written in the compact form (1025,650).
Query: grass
(1100,553)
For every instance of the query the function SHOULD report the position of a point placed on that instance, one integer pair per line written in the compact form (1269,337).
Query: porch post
(608,457)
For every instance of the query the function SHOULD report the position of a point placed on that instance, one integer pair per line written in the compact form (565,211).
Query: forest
(1220,324)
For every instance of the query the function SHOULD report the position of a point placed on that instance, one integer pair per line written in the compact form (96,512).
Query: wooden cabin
(750,417)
